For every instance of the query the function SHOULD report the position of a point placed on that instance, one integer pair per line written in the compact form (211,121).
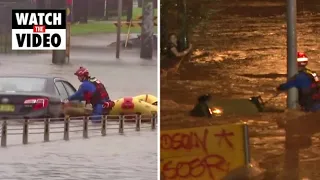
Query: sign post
(183,37)
(292,153)
(119,29)
(291,50)
(147,29)
(69,20)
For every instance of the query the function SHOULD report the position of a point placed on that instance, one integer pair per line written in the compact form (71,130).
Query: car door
(61,90)
(70,90)
(62,93)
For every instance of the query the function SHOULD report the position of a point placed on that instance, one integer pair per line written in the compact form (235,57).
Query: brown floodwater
(247,58)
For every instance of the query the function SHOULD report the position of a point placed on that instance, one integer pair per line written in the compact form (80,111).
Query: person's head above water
(173,38)
(82,74)
(302,60)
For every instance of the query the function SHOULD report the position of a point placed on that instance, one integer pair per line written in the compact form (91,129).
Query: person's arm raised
(178,54)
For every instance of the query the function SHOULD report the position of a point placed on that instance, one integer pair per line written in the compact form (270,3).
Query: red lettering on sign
(127,103)
(69,2)
(195,168)
(223,135)
(38,28)
(187,141)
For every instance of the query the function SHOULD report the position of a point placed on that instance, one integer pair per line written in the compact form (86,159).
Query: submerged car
(33,96)
(40,96)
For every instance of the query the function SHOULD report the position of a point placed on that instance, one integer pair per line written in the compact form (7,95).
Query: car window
(22,84)
(62,91)
(69,88)
(56,90)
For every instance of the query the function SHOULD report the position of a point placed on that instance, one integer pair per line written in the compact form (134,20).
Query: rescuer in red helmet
(307,83)
(93,92)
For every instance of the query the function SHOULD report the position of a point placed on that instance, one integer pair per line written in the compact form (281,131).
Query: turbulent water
(129,156)
(247,46)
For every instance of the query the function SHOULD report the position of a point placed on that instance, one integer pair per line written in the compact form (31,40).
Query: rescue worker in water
(93,92)
(307,83)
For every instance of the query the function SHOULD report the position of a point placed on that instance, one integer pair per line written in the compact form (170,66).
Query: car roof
(43,76)
(49,87)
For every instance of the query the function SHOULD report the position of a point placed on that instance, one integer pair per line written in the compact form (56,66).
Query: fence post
(4,133)
(153,121)
(85,127)
(138,121)
(121,122)
(46,130)
(66,128)
(25,130)
(104,125)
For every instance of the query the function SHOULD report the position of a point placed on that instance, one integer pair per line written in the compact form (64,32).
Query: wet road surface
(129,76)
(129,156)
(248,58)
(110,157)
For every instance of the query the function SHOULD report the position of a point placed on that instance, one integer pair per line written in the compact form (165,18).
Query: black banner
(26,19)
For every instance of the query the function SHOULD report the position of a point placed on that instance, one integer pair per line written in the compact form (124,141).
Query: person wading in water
(173,56)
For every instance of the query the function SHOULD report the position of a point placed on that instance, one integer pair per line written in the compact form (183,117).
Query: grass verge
(137,12)
(101,27)
(93,27)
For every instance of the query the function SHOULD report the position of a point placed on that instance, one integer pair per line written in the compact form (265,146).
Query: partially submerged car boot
(201,109)
(258,102)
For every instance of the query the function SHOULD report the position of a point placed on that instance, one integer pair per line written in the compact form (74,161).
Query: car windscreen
(22,84)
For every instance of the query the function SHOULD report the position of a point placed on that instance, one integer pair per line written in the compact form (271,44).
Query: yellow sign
(6,108)
(206,153)
(68,11)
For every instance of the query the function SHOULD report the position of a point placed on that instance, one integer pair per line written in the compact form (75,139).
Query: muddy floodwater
(247,46)
(129,156)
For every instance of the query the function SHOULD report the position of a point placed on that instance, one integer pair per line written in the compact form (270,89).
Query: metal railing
(53,126)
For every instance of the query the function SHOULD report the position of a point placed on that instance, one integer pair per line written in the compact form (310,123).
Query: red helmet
(302,59)
(82,72)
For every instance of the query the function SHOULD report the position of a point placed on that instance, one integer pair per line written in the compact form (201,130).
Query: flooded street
(111,157)
(129,156)
(129,76)
(247,46)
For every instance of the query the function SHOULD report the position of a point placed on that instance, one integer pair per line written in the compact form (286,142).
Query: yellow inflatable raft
(147,98)
(133,105)
(145,104)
